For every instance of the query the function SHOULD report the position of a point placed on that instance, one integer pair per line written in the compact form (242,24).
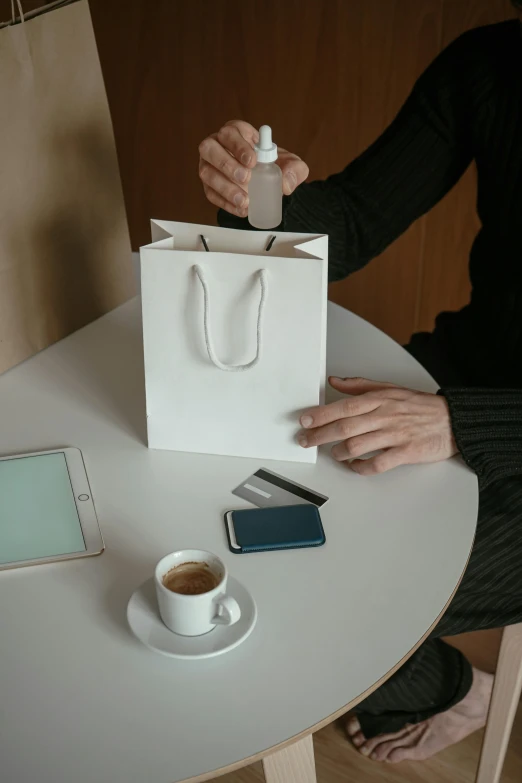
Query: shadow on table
(117,371)
(103,366)
(129,575)
(117,574)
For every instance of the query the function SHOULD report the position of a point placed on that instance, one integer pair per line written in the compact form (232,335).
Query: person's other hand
(404,425)
(226,160)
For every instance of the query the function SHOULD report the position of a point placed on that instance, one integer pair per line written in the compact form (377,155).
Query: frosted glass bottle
(265,190)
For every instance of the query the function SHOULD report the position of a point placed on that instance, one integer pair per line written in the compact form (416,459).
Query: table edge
(338,713)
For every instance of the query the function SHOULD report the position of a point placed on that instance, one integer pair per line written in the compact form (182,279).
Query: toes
(398,754)
(385,750)
(368,747)
(358,739)
(353,727)
(378,748)
(409,747)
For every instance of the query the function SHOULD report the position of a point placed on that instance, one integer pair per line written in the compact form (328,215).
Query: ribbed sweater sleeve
(404,173)
(487,425)
(466,102)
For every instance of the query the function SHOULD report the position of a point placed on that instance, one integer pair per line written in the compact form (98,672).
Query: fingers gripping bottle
(265,208)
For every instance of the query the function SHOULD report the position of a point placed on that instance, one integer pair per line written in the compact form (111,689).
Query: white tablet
(46,509)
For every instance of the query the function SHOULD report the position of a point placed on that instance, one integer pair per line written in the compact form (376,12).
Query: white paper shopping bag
(234,339)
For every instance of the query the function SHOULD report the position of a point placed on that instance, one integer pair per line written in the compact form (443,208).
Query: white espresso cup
(194,615)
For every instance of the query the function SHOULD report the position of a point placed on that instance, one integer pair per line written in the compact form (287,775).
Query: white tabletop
(81,700)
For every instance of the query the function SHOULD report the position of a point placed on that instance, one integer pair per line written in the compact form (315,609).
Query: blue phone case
(266,529)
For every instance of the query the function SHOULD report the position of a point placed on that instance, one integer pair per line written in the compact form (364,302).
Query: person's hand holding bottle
(226,162)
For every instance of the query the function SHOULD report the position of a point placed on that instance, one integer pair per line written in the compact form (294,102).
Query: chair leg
(504,701)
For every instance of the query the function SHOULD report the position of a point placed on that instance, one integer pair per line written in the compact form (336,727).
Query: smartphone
(268,529)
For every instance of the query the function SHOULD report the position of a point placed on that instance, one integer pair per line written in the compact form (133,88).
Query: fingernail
(306,421)
(242,212)
(303,441)
(246,157)
(364,750)
(241,175)
(291,181)
(239,200)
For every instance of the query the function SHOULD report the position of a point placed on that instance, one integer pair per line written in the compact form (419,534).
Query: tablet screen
(38,516)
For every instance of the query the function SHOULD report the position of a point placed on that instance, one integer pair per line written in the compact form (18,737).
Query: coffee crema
(191,579)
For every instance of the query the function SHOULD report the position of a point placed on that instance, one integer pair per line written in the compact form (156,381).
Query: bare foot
(422,740)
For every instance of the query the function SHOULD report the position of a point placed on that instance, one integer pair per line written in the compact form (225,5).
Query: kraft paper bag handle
(20,11)
(262,277)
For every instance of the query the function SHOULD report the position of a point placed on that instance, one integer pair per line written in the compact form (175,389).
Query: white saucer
(146,624)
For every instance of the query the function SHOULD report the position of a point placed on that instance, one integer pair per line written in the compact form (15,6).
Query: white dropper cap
(266,151)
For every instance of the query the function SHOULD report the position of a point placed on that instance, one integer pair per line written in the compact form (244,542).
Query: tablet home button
(83,497)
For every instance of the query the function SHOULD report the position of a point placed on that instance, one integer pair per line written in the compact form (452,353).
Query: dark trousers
(438,676)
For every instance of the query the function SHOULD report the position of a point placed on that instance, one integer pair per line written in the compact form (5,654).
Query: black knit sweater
(466,106)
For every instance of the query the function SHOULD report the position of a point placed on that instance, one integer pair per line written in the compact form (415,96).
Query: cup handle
(228,611)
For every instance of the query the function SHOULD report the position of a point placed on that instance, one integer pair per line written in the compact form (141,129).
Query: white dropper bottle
(265,190)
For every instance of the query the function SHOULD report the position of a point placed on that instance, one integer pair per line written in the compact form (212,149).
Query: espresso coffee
(191,579)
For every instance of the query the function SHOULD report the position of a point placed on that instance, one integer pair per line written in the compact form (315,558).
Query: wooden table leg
(504,702)
(294,764)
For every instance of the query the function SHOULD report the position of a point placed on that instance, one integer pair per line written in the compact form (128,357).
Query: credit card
(264,489)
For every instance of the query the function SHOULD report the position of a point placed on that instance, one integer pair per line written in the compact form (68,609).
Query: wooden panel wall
(328,75)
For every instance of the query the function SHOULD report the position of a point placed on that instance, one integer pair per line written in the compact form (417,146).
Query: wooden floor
(338,762)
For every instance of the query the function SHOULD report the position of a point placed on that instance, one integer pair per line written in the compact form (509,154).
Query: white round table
(82,700)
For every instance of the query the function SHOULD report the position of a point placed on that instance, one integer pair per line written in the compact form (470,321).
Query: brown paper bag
(65,256)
